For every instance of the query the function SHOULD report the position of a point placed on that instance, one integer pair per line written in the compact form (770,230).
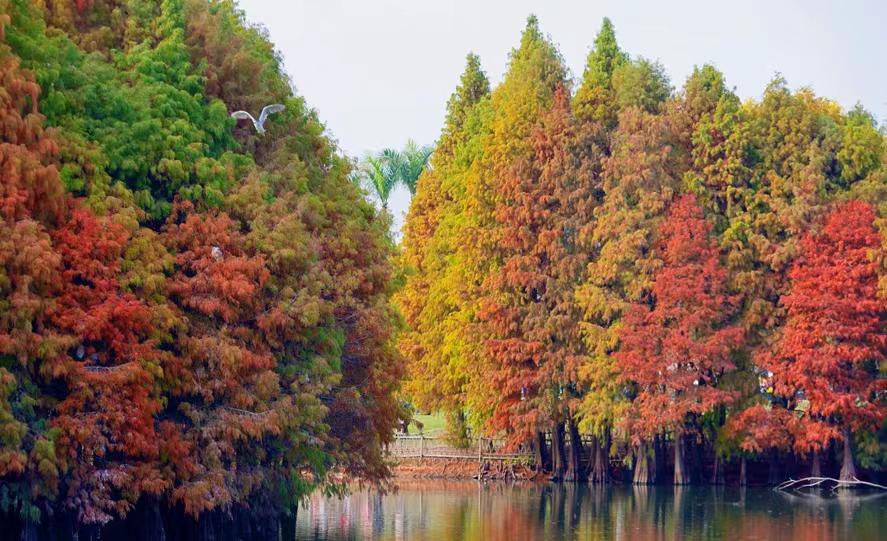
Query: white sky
(380,71)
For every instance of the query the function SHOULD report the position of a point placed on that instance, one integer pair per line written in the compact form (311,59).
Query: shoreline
(462,470)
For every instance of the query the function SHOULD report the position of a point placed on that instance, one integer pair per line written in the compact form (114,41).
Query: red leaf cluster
(826,359)
(676,347)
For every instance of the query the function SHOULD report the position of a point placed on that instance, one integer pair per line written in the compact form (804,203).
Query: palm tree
(380,175)
(385,170)
(395,163)
(415,159)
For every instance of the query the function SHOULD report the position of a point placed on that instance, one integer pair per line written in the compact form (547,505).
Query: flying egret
(266,112)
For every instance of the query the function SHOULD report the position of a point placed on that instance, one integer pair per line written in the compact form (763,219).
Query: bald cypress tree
(433,380)
(538,349)
(34,363)
(594,99)
(473,87)
(640,179)
(517,255)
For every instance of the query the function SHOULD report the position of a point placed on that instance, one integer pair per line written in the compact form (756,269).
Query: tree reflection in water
(439,510)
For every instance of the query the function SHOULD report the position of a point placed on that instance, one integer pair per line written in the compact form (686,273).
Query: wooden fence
(481,449)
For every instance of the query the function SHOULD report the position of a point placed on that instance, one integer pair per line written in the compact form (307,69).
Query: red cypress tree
(639,180)
(505,246)
(107,415)
(220,376)
(31,187)
(538,347)
(825,362)
(677,346)
(29,278)
(759,428)
(521,301)
(32,202)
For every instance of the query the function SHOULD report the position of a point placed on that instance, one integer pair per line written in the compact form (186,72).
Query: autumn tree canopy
(644,266)
(192,317)
(827,358)
(676,346)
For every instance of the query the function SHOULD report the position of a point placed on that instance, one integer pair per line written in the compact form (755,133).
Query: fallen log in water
(826,482)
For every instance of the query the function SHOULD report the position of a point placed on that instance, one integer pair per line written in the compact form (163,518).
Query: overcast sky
(380,71)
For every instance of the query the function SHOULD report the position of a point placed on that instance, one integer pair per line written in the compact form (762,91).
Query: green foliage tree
(594,100)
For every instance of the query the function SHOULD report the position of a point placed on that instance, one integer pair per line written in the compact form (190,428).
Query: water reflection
(434,510)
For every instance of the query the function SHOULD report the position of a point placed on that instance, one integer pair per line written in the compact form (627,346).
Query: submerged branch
(834,484)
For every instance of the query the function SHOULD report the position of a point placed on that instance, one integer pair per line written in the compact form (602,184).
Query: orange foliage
(826,359)
(676,347)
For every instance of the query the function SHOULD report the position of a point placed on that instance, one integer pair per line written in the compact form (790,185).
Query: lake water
(441,511)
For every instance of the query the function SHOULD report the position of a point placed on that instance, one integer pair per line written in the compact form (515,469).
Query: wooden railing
(481,449)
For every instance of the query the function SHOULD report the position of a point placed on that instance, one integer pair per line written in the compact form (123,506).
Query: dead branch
(825,482)
(245,413)
(97,369)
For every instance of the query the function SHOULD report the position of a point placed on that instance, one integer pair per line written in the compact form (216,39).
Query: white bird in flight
(266,112)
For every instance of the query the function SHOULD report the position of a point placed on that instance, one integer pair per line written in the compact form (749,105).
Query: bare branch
(831,482)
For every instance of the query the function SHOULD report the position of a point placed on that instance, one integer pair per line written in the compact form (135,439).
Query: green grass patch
(433,424)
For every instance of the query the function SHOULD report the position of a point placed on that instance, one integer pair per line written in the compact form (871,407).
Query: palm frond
(384,170)
(377,171)
(416,160)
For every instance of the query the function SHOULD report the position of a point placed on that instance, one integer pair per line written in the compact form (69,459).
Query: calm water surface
(440,511)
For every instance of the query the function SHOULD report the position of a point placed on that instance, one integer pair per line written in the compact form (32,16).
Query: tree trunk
(592,457)
(660,454)
(848,466)
(205,531)
(457,429)
(717,474)
(288,524)
(557,449)
(29,531)
(226,527)
(601,471)
(574,467)
(742,468)
(642,467)
(697,468)
(538,443)
(269,528)
(655,466)
(88,532)
(242,528)
(58,525)
(150,523)
(681,475)
(541,450)
(773,467)
(816,465)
